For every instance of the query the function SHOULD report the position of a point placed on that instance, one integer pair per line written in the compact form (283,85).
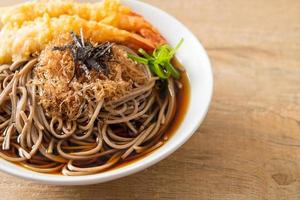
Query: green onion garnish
(160,61)
(138,59)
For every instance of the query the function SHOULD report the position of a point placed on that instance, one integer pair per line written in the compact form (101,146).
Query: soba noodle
(91,86)
(94,141)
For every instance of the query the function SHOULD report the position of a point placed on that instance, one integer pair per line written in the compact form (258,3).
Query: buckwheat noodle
(89,144)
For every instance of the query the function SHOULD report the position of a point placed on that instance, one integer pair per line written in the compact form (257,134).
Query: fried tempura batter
(26,28)
(19,43)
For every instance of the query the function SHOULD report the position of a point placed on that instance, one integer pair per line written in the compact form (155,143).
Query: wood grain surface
(248,147)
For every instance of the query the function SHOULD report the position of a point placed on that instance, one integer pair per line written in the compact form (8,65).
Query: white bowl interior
(194,58)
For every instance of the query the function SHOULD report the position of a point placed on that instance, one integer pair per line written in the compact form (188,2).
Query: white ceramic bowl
(194,58)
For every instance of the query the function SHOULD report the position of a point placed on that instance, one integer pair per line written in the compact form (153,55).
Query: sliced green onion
(160,73)
(159,62)
(138,59)
(162,56)
(145,54)
(174,72)
(172,53)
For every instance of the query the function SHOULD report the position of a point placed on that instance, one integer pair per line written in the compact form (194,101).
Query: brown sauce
(183,98)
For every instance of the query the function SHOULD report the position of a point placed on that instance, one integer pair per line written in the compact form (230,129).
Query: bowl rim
(146,161)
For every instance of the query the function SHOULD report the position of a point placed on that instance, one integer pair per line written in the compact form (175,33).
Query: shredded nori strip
(86,56)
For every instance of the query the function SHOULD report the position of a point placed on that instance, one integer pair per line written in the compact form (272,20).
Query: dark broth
(182,104)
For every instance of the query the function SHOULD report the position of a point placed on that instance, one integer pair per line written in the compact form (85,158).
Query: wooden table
(248,147)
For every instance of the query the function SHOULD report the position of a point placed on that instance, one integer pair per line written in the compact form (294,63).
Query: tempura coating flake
(32,37)
(110,12)
(29,11)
